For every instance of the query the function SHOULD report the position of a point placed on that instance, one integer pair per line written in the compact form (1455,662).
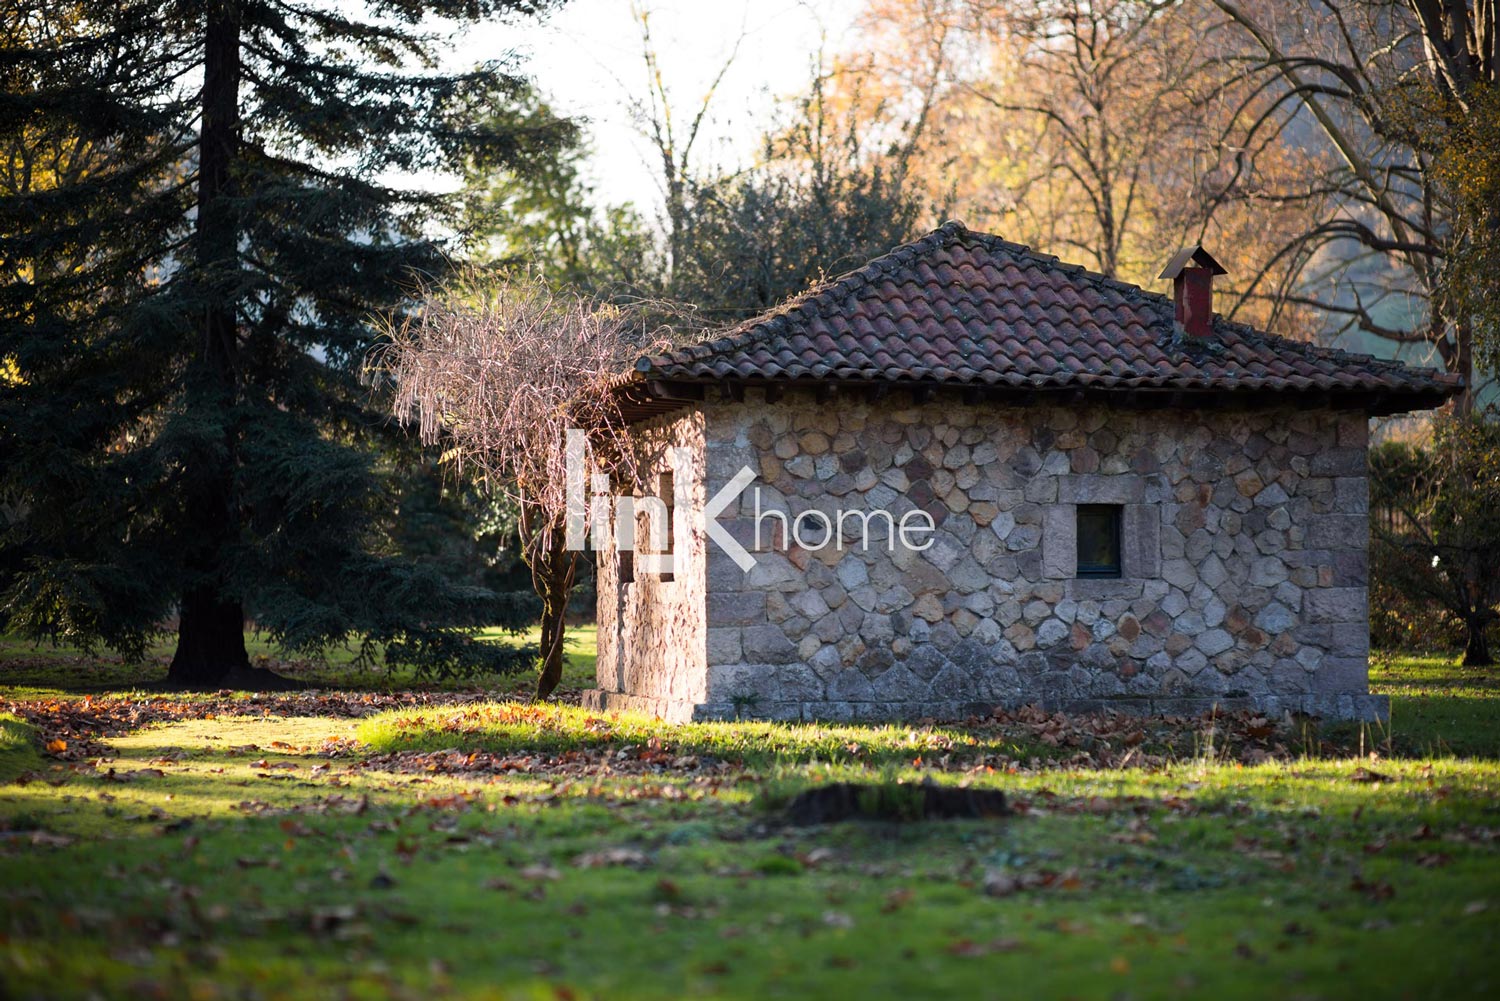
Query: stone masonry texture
(1244,541)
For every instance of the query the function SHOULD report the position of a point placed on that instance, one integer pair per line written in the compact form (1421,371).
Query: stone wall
(1243,564)
(652,652)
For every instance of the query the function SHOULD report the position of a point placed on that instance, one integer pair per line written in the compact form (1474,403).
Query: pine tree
(182,426)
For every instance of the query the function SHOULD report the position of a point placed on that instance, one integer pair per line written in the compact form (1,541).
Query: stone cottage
(984,477)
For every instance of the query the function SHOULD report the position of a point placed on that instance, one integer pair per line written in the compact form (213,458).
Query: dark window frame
(1091,515)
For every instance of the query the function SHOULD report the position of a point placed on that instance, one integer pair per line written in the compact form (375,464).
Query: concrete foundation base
(1357,706)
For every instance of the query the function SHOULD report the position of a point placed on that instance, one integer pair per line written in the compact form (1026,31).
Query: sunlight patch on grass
(18,750)
(514,727)
(232,767)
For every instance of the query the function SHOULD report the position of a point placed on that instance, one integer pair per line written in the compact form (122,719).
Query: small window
(1098,540)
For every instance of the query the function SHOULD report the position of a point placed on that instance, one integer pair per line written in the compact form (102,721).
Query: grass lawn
(1438,707)
(445,844)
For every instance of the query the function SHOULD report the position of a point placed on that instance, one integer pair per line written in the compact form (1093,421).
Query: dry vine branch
(1400,92)
(496,371)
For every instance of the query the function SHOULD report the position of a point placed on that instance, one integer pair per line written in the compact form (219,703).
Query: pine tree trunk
(210,641)
(1477,646)
(210,635)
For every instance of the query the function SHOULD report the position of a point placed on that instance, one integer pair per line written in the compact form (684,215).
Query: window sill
(1104,587)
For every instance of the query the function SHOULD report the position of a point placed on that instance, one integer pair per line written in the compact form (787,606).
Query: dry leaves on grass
(1004,884)
(1107,740)
(575,763)
(71,729)
(1102,740)
(968,948)
(1044,802)
(632,858)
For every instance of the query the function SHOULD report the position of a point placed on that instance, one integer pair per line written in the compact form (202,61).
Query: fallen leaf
(49,840)
(895,900)
(837,919)
(1376,891)
(969,948)
(631,857)
(1000,884)
(540,872)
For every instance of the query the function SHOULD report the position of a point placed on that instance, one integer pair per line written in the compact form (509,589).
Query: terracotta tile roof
(967,309)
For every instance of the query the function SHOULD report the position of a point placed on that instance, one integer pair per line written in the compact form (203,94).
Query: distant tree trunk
(210,634)
(1477,644)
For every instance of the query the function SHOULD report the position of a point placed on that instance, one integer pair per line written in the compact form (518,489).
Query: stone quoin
(1126,512)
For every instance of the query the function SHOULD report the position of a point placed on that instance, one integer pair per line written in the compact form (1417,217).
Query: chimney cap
(1195,256)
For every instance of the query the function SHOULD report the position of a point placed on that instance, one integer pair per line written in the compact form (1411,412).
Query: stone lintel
(1096,488)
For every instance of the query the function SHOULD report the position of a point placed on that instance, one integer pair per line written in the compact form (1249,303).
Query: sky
(587,59)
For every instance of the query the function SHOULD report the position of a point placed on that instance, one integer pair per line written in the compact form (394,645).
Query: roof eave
(652,393)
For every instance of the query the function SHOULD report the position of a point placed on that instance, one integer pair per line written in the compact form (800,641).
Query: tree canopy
(187,309)
(1436,530)
(821,198)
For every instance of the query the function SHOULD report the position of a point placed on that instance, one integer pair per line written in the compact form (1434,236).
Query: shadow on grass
(29,669)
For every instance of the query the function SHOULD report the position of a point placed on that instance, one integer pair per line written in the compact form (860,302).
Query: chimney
(1192,271)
